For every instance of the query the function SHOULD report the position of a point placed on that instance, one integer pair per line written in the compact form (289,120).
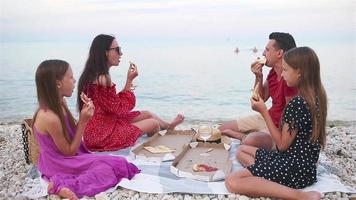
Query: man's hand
(259,105)
(256,68)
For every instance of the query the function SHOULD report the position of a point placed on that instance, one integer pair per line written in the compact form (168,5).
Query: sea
(204,80)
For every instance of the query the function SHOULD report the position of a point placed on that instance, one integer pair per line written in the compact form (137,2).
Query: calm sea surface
(201,80)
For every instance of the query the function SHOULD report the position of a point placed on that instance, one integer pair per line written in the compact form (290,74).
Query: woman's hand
(259,105)
(132,73)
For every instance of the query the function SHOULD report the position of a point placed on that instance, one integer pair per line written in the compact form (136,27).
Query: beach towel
(156,177)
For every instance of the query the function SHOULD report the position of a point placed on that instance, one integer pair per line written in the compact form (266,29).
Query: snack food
(132,66)
(255,93)
(203,168)
(262,60)
(84,98)
(159,149)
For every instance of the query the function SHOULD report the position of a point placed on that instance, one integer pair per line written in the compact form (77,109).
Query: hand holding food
(255,92)
(132,73)
(132,66)
(84,98)
(88,108)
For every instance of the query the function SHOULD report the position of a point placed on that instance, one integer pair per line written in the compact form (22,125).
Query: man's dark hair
(284,41)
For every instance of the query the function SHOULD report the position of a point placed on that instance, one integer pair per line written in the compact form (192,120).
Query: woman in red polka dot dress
(114,124)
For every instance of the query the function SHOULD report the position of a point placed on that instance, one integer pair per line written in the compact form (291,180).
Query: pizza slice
(84,98)
(159,149)
(262,60)
(204,168)
(132,66)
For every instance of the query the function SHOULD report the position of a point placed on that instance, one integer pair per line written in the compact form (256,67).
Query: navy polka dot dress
(295,167)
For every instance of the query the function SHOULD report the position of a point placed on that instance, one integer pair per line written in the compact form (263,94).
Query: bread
(255,92)
(262,60)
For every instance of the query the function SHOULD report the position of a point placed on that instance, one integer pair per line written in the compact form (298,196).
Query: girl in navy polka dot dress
(299,140)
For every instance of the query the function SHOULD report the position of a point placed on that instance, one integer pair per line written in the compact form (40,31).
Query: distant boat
(237,50)
(254,50)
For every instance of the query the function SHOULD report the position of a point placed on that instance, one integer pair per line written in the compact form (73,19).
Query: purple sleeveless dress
(86,174)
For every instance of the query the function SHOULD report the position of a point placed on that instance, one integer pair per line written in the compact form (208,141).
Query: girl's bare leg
(64,192)
(243,182)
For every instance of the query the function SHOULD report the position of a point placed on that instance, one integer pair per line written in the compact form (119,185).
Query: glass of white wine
(205,130)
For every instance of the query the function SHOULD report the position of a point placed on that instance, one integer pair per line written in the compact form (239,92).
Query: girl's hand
(132,73)
(86,113)
(259,105)
(88,109)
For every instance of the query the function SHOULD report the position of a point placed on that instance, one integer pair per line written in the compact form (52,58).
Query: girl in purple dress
(64,161)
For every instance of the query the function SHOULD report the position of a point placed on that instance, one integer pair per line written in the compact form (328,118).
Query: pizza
(159,149)
(84,98)
(262,60)
(204,168)
(132,66)
(255,92)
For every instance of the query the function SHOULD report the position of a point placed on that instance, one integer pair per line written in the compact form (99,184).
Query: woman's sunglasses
(118,49)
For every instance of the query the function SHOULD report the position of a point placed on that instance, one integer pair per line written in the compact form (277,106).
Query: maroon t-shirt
(278,91)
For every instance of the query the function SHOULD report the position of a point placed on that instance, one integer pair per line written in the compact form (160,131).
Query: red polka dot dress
(111,126)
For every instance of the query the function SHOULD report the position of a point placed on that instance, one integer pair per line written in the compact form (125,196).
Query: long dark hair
(96,65)
(47,73)
(310,88)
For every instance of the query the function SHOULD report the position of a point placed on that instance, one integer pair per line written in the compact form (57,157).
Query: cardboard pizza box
(210,154)
(164,145)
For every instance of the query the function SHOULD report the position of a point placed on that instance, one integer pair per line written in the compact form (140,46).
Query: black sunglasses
(118,49)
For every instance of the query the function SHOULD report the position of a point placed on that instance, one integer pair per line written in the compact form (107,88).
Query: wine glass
(205,130)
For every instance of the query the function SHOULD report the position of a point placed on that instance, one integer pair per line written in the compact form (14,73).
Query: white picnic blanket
(156,177)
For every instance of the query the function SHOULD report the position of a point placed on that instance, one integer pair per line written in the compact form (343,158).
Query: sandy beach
(340,152)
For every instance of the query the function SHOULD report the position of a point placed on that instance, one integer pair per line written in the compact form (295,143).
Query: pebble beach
(340,152)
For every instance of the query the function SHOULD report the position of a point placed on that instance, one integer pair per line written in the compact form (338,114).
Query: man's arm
(265,91)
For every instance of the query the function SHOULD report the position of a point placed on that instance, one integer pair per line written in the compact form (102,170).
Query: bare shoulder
(47,120)
(104,80)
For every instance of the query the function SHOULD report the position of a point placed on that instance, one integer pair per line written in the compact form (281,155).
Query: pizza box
(211,154)
(174,140)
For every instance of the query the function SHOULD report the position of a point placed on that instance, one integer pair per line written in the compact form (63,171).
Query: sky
(78,20)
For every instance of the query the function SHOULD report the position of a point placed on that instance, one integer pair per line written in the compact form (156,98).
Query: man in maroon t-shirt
(252,130)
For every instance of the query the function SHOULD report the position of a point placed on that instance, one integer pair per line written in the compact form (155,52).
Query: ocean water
(202,80)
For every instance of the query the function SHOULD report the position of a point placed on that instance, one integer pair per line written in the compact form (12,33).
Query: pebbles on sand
(340,152)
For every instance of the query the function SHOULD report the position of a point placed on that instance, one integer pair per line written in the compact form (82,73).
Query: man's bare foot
(68,194)
(233,134)
(312,195)
(178,120)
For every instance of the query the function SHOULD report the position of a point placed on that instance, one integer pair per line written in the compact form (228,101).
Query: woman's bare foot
(68,194)
(178,120)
